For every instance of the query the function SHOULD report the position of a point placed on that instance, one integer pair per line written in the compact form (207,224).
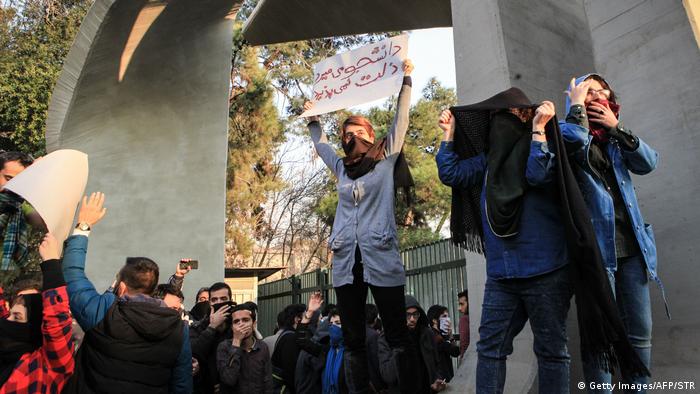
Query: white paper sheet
(54,186)
(359,76)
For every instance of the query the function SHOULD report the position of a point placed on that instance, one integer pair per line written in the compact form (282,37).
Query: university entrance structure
(144,93)
(647,49)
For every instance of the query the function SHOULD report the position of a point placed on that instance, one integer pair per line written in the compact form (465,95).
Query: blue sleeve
(459,173)
(181,381)
(88,306)
(540,164)
(642,160)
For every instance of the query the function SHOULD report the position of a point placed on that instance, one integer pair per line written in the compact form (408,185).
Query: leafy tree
(35,36)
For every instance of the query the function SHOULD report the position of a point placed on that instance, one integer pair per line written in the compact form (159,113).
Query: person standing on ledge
(364,240)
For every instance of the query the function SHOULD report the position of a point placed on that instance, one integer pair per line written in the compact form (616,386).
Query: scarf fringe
(471,242)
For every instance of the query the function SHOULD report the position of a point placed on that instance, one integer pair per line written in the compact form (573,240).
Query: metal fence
(435,273)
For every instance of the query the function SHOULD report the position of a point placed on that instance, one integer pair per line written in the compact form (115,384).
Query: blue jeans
(631,286)
(508,304)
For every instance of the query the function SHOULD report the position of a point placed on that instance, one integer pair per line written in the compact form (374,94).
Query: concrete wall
(647,51)
(156,140)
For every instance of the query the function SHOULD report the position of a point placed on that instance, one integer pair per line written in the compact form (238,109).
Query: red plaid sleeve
(47,369)
(4,310)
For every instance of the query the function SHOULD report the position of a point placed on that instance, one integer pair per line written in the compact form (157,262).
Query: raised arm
(57,349)
(324,150)
(451,170)
(540,163)
(87,305)
(397,134)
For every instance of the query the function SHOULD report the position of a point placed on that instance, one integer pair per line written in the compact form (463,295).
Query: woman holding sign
(364,240)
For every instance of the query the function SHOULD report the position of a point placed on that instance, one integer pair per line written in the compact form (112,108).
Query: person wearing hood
(133,343)
(364,240)
(605,152)
(36,350)
(427,378)
(505,205)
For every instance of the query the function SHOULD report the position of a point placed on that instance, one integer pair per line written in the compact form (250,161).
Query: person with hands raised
(364,239)
(498,162)
(605,152)
(150,352)
(36,349)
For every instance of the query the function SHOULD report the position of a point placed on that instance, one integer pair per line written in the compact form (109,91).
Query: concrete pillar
(155,131)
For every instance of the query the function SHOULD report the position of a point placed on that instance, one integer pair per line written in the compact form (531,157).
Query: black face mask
(356,147)
(17,339)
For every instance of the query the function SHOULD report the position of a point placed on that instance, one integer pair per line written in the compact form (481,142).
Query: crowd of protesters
(513,172)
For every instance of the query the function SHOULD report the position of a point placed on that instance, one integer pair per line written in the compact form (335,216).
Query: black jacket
(205,341)
(445,351)
(132,350)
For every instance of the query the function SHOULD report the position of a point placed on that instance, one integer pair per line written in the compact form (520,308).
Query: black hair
(24,159)
(326,309)
(218,286)
(333,312)
(200,291)
(605,84)
(26,282)
(434,312)
(464,294)
(289,314)
(166,288)
(140,275)
(371,314)
(246,306)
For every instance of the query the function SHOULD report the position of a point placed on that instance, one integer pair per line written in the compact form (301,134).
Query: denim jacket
(540,245)
(640,161)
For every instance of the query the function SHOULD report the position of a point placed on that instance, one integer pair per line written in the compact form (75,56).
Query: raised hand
(577,93)
(48,249)
(543,114)
(91,210)
(315,302)
(179,272)
(446,122)
(307,107)
(407,67)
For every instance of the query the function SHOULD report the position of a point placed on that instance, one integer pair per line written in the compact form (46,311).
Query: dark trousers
(351,304)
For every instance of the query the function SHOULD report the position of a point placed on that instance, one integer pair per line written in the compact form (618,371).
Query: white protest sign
(54,185)
(359,76)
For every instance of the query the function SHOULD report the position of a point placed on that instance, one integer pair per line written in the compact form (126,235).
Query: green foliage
(34,42)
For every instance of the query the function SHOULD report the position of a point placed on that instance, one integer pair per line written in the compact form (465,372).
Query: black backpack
(279,386)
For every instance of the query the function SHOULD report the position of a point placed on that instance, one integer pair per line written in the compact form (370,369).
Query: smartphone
(189,263)
(444,324)
(223,304)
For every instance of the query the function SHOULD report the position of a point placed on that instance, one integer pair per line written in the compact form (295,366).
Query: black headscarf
(603,338)
(504,193)
(17,339)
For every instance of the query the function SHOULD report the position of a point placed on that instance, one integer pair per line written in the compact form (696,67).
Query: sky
(432,53)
